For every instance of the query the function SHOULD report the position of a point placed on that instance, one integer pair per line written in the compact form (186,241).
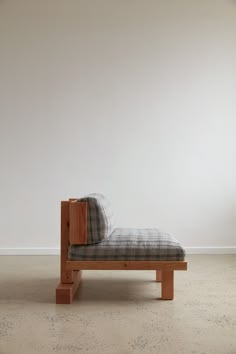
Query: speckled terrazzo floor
(118,311)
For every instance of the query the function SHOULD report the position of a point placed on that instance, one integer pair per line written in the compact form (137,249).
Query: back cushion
(100,218)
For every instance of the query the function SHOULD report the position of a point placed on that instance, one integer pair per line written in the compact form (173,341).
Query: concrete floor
(118,311)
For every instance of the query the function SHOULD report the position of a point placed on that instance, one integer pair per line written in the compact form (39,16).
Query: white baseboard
(40,251)
(211,250)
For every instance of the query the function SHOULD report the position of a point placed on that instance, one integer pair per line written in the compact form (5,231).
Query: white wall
(134,99)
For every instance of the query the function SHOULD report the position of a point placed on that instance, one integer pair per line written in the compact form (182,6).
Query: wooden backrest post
(66,276)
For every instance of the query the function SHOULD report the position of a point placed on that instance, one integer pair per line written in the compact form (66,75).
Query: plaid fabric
(100,218)
(131,244)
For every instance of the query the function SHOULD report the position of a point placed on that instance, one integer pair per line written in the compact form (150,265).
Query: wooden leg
(67,277)
(167,291)
(158,276)
(66,291)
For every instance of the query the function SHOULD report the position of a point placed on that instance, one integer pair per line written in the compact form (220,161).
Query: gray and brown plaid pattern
(100,219)
(131,244)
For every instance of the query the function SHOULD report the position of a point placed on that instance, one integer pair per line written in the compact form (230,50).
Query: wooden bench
(74,231)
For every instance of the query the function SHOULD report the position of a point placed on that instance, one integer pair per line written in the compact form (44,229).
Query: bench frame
(74,231)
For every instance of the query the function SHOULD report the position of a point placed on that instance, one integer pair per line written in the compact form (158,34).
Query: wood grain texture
(158,276)
(66,275)
(167,288)
(78,223)
(66,292)
(127,265)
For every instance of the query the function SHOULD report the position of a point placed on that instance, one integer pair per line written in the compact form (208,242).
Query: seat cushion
(100,218)
(131,244)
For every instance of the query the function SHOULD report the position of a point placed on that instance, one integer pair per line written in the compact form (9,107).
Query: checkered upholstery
(131,244)
(100,218)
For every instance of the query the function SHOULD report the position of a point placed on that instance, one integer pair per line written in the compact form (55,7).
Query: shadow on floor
(42,290)
(113,290)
